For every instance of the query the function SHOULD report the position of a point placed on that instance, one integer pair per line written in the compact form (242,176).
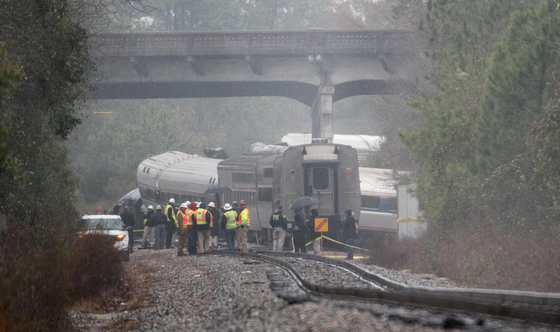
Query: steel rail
(529,306)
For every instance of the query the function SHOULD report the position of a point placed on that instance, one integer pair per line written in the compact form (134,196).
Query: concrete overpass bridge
(316,67)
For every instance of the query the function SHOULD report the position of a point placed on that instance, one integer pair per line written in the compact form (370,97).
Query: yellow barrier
(328,238)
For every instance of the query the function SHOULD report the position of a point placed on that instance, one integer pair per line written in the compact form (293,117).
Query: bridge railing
(294,42)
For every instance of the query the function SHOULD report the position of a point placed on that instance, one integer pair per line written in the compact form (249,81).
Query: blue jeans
(349,250)
(192,239)
(160,236)
(230,238)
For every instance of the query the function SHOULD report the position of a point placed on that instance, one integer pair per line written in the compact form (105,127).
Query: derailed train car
(263,180)
(266,179)
(182,176)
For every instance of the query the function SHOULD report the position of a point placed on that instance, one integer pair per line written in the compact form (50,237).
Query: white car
(109,224)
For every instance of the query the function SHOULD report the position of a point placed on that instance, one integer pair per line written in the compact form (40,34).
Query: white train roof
(178,171)
(377,181)
(358,142)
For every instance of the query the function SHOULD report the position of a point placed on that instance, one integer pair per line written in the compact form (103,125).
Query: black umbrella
(217,189)
(303,202)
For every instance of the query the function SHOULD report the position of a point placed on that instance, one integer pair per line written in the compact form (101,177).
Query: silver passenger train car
(182,176)
(266,179)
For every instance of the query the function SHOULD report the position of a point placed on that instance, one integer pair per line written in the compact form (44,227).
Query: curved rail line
(530,306)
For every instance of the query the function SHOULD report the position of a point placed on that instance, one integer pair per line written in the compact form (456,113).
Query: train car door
(322,183)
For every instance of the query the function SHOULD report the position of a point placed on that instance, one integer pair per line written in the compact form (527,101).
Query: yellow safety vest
(189,217)
(169,206)
(231,219)
(201,217)
(244,218)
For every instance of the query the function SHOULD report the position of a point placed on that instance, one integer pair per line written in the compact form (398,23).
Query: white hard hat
(188,203)
(172,200)
(158,207)
(184,205)
(212,204)
(227,207)
(198,204)
(150,207)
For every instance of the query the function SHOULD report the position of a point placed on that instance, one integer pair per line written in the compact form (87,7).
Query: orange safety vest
(244,218)
(189,218)
(181,217)
(201,217)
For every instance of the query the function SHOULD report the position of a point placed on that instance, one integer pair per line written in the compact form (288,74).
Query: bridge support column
(322,114)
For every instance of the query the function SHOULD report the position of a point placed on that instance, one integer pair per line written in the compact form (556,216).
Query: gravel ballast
(232,293)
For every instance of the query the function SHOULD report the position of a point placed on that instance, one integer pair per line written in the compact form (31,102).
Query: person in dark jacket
(149,228)
(313,235)
(300,231)
(349,233)
(215,229)
(192,233)
(279,224)
(159,220)
(129,221)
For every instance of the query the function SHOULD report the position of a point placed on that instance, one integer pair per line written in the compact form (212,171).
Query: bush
(97,266)
(34,284)
(39,285)
(480,256)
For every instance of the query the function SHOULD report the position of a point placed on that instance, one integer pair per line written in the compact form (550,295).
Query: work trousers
(243,238)
(192,240)
(349,251)
(203,241)
(238,237)
(214,241)
(170,236)
(130,240)
(148,237)
(317,246)
(182,241)
(160,236)
(278,237)
(299,245)
(230,238)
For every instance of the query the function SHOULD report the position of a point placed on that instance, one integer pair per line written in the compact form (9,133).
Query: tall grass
(38,285)
(480,256)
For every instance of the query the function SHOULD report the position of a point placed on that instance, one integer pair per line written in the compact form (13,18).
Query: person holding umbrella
(300,231)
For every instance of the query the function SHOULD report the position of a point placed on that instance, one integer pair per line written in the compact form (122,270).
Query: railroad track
(528,306)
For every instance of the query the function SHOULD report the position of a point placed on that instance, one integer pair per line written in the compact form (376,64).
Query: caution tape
(344,244)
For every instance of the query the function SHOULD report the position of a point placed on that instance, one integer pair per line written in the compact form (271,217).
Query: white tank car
(182,176)
(379,200)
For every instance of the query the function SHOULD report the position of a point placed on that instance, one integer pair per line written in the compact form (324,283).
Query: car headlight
(120,237)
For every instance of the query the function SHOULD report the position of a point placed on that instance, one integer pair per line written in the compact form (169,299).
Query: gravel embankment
(229,293)
(323,274)
(417,280)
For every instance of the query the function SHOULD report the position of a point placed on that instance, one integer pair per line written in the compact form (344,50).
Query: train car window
(151,193)
(158,197)
(265,194)
(163,197)
(371,202)
(267,172)
(321,178)
(393,204)
(242,177)
(178,198)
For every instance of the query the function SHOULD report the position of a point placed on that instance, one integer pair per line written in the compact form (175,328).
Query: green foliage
(495,76)
(518,83)
(48,61)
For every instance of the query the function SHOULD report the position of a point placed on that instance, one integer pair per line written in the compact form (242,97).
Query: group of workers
(194,225)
